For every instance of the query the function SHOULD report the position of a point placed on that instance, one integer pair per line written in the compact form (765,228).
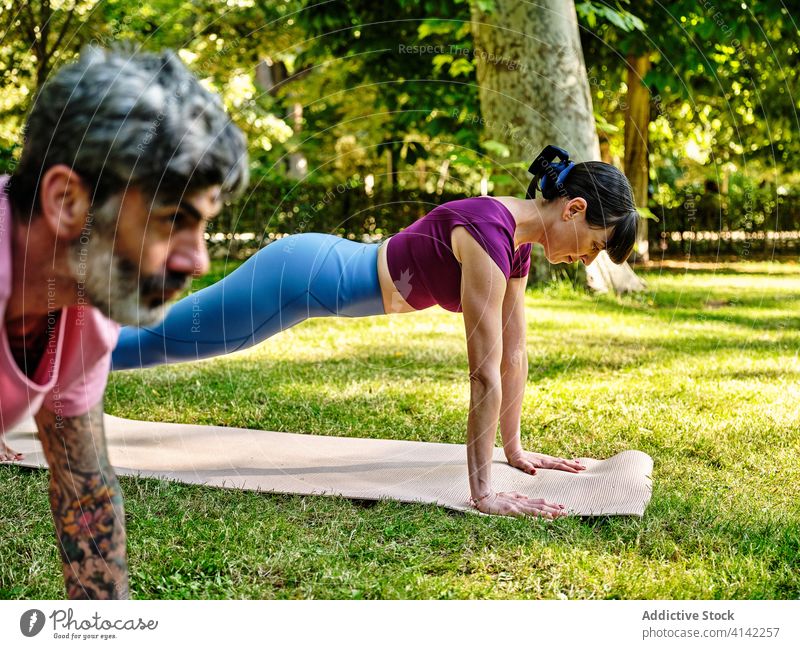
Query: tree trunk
(534,91)
(637,121)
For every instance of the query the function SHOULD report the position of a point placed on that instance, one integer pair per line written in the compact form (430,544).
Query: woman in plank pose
(470,256)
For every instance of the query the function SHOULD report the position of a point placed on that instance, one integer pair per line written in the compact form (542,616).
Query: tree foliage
(389,90)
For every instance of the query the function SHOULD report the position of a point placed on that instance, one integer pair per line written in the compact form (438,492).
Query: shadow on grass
(784,270)
(383,366)
(690,307)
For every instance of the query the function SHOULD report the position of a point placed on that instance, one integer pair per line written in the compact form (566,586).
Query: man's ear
(64,201)
(574,209)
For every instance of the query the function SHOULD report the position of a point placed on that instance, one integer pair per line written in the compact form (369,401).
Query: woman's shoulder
(479,207)
(513,206)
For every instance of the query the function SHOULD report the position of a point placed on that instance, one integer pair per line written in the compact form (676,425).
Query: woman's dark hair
(610,204)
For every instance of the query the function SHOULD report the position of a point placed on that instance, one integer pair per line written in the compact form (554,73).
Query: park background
(360,117)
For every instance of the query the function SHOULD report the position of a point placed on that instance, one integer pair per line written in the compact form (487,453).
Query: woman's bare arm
(483,287)
(514,371)
(482,290)
(513,366)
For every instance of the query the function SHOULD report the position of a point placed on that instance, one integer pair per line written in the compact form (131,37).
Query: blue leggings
(291,279)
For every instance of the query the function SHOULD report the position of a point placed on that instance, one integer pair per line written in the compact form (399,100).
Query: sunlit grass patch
(700,371)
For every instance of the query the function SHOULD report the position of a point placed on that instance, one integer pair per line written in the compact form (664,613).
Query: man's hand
(86,502)
(528,462)
(8,454)
(513,503)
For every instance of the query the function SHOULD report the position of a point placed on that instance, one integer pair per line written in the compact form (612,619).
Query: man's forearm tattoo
(86,502)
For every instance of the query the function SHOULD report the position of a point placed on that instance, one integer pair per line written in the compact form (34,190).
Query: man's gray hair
(120,117)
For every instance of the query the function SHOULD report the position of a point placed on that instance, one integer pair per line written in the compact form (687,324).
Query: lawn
(701,372)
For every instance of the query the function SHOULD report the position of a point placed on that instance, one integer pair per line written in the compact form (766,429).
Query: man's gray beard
(109,286)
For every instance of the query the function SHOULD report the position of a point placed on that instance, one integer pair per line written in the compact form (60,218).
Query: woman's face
(570,238)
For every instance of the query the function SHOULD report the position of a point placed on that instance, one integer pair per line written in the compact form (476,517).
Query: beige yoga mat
(371,469)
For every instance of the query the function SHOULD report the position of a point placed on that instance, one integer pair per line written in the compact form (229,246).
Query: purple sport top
(421,261)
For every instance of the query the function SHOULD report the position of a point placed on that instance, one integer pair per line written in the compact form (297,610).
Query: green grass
(701,372)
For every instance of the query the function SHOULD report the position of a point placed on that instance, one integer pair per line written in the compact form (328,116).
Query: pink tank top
(71,377)
(421,261)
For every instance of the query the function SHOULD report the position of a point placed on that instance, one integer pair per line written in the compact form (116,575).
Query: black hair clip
(548,175)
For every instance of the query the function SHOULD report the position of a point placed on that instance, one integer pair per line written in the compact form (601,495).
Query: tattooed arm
(86,502)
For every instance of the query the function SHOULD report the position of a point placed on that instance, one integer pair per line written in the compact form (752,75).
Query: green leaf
(435,27)
(604,125)
(646,213)
(705,29)
(615,18)
(497,148)
(620,18)
(637,22)
(441,59)
(461,67)
(502,179)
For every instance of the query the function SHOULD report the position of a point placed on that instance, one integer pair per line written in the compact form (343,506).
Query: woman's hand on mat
(528,462)
(513,503)
(8,454)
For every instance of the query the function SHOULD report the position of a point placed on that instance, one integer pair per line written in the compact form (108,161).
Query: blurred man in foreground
(126,158)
